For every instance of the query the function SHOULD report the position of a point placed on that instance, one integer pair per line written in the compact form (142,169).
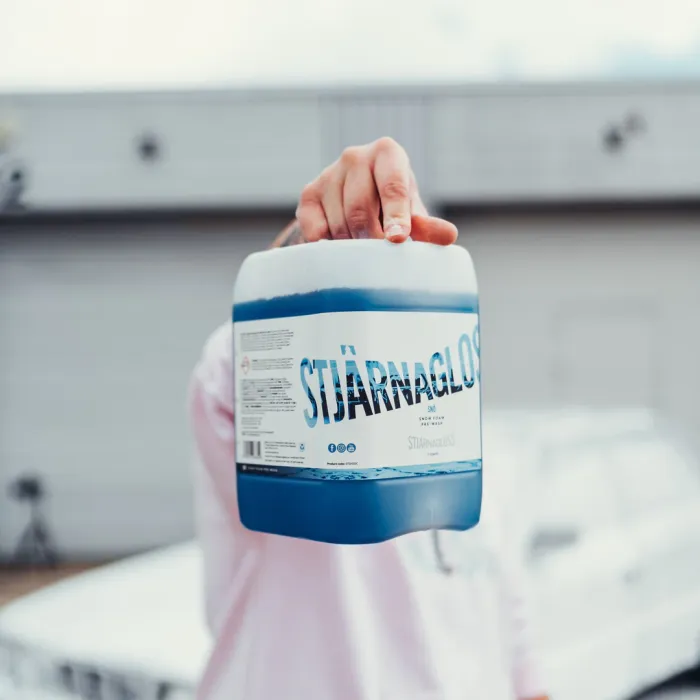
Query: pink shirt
(298,620)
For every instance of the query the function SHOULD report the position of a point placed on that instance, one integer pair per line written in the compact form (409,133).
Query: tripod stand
(35,546)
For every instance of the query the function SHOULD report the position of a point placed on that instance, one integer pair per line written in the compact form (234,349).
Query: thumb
(431,229)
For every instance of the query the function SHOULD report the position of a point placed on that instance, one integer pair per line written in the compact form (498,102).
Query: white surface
(623,594)
(141,617)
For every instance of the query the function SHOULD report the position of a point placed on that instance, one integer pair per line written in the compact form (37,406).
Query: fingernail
(363,234)
(395,232)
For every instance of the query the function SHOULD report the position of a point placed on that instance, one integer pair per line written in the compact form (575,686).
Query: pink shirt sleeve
(528,676)
(227,547)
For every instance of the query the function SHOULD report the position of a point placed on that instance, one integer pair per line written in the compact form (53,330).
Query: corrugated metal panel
(216,150)
(541,146)
(533,144)
(354,120)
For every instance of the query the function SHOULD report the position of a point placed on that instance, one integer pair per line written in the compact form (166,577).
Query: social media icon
(351,447)
(341,447)
(331,448)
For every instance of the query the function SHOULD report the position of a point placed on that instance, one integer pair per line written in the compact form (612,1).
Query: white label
(357,391)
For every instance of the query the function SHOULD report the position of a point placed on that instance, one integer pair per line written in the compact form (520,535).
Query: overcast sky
(78,44)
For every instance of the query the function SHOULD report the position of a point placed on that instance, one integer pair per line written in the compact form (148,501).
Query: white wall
(591,309)
(100,326)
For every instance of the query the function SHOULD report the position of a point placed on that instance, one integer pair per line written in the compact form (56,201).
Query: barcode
(252,448)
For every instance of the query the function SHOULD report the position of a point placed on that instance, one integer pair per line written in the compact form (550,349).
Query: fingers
(310,214)
(417,206)
(332,184)
(361,203)
(430,229)
(392,175)
(370,192)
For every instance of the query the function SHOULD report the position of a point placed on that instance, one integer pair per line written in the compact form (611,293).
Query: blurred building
(126,215)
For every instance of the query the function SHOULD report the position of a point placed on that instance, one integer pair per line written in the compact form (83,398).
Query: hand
(369,192)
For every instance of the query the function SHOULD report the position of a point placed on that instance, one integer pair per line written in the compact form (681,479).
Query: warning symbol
(245,365)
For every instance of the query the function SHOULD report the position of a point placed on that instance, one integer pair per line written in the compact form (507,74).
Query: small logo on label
(418,442)
(341,447)
(245,365)
(302,447)
(351,447)
(331,448)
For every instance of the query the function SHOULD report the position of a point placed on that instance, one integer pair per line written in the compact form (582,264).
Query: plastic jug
(357,390)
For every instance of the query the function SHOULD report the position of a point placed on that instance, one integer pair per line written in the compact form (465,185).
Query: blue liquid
(359,511)
(359,506)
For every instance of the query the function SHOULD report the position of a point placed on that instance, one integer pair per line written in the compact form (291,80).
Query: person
(420,617)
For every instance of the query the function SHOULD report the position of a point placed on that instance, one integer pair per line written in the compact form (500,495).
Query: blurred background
(146,147)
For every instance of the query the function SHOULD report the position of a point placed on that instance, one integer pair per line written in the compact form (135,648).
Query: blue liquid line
(345,300)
